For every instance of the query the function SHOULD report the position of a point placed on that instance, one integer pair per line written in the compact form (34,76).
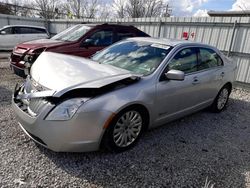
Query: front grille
(16,58)
(36,105)
(32,106)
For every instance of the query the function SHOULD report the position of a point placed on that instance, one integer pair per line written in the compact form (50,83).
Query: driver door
(96,42)
(7,39)
(177,98)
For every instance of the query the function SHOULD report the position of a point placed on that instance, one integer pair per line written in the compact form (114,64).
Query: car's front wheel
(125,130)
(221,99)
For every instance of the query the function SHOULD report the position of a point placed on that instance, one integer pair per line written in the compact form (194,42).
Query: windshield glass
(137,57)
(72,34)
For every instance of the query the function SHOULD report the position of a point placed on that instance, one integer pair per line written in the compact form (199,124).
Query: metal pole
(159,31)
(8,20)
(79,7)
(48,24)
(232,38)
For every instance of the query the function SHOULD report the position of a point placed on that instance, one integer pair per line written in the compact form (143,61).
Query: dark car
(80,40)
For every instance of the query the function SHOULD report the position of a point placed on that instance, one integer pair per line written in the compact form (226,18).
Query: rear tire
(221,99)
(125,130)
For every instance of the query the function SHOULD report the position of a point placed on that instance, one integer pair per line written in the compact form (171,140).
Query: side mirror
(175,75)
(3,32)
(87,43)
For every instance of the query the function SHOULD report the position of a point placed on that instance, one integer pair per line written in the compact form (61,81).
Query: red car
(80,40)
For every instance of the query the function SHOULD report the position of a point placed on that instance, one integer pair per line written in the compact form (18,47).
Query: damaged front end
(57,118)
(31,97)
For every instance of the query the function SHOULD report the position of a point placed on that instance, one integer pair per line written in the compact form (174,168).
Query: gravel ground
(186,153)
(4,54)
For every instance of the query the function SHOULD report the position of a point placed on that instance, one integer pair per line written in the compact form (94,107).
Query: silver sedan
(75,104)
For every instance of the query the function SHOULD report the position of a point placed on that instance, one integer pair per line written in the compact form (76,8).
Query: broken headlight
(66,110)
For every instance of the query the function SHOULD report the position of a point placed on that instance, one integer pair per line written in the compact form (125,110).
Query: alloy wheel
(222,99)
(127,128)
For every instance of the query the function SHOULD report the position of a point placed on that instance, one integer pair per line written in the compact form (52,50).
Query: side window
(37,30)
(16,30)
(102,38)
(21,30)
(25,30)
(185,60)
(124,34)
(8,31)
(28,30)
(209,59)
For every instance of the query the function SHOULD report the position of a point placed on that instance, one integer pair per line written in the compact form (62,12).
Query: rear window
(209,59)
(38,30)
(124,34)
(28,30)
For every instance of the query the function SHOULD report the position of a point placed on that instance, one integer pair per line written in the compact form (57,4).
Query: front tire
(125,130)
(221,99)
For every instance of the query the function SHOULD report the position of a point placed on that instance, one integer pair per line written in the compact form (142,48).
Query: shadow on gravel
(5,97)
(183,153)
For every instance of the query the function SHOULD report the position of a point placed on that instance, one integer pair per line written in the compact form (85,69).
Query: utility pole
(168,11)
(79,9)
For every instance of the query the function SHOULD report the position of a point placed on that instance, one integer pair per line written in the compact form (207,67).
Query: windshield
(72,34)
(134,56)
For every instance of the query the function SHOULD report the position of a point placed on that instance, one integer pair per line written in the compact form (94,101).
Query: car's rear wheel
(125,130)
(221,99)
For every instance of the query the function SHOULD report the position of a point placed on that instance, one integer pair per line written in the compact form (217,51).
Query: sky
(200,7)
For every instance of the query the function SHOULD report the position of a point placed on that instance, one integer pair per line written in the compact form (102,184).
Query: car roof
(39,27)
(105,24)
(116,25)
(88,24)
(169,42)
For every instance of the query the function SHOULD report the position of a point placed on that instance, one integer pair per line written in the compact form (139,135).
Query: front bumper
(16,65)
(82,133)
(17,70)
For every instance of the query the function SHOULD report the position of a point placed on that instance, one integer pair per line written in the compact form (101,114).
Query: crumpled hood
(63,72)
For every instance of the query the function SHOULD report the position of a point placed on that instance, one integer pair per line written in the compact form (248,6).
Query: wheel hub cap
(127,128)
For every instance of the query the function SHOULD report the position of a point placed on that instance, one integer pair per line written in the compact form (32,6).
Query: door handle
(222,74)
(195,81)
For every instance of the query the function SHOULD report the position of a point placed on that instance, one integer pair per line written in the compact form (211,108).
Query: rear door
(210,69)
(28,33)
(38,33)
